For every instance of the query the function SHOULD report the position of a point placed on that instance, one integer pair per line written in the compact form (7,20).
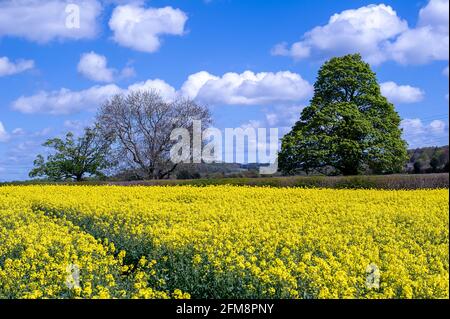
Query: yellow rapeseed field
(222,242)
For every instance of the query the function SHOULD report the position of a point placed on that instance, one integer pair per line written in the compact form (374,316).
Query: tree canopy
(348,128)
(73,158)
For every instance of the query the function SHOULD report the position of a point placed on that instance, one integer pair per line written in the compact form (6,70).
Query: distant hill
(420,161)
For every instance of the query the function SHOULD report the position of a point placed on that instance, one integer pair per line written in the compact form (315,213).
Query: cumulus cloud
(438,126)
(427,42)
(247,88)
(435,13)
(4,136)
(166,91)
(364,30)
(65,101)
(140,29)
(379,34)
(419,134)
(401,94)
(95,67)
(43,21)
(8,67)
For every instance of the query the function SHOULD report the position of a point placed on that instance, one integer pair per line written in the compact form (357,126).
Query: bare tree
(141,124)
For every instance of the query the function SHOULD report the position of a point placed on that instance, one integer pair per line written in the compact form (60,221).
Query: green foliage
(74,158)
(348,128)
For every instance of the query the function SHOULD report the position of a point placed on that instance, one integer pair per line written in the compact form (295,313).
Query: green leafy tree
(72,158)
(348,128)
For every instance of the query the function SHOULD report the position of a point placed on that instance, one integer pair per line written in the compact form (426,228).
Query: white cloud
(401,94)
(43,21)
(364,30)
(4,136)
(8,67)
(65,101)
(429,40)
(420,46)
(195,82)
(435,14)
(438,126)
(94,67)
(140,29)
(379,34)
(247,88)
(445,71)
(165,90)
(419,134)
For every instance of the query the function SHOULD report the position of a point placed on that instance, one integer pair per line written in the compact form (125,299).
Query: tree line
(428,160)
(349,128)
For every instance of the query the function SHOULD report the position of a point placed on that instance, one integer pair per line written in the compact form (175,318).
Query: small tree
(141,124)
(349,126)
(74,158)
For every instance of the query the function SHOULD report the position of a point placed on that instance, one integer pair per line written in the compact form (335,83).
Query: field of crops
(222,242)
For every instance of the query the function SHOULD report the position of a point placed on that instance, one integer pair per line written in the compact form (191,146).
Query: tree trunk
(167,174)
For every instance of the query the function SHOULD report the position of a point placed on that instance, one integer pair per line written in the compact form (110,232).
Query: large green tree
(348,128)
(73,158)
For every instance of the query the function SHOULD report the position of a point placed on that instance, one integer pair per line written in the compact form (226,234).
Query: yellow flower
(222,241)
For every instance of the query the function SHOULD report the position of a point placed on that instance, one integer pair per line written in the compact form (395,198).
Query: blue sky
(253,62)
